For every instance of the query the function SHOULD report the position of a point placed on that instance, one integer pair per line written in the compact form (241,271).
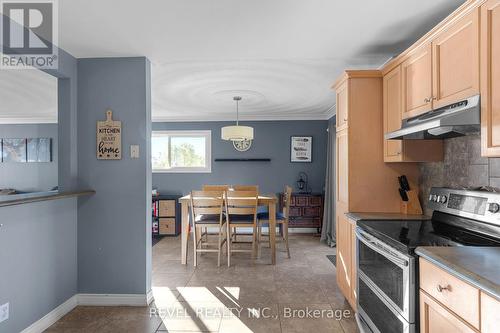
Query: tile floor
(296,295)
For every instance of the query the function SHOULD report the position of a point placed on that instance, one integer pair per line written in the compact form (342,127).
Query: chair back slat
(241,202)
(215,187)
(246,188)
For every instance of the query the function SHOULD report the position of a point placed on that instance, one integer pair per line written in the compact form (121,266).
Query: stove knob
(493,207)
(433,197)
(442,199)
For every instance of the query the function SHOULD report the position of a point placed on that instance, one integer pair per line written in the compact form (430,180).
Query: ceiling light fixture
(237,133)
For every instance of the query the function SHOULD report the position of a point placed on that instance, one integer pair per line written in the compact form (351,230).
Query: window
(181,151)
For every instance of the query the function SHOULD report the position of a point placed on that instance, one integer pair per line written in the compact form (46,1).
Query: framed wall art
(301,149)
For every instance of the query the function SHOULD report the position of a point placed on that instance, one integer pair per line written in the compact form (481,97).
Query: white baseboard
(113,299)
(88,300)
(50,318)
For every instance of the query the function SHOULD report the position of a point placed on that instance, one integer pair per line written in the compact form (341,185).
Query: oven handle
(380,249)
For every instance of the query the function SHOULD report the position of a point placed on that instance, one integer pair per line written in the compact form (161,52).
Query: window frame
(207,134)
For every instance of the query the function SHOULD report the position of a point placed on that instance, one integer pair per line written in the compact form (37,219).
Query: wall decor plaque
(301,149)
(109,138)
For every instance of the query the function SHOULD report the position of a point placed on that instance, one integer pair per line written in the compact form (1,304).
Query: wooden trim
(354,73)
(460,12)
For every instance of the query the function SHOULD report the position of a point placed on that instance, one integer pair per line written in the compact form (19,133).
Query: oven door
(390,273)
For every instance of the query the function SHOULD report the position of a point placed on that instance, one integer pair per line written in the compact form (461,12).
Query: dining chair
(223,188)
(282,219)
(207,211)
(241,208)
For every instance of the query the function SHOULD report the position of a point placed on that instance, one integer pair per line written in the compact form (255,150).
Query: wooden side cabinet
(435,318)
(490,78)
(306,210)
(417,82)
(403,150)
(346,255)
(166,215)
(455,64)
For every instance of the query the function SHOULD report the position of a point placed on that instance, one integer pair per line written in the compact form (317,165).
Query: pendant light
(237,133)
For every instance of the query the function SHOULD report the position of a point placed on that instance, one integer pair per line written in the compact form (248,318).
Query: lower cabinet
(449,304)
(346,258)
(435,318)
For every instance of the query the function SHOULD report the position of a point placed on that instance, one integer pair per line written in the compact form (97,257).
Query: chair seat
(240,218)
(208,219)
(265,216)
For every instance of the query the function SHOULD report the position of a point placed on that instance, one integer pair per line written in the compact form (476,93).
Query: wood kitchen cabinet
(416,76)
(364,182)
(435,318)
(449,304)
(490,78)
(403,150)
(490,314)
(342,98)
(455,61)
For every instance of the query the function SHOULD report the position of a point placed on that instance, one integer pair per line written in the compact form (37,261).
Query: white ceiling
(27,96)
(281,55)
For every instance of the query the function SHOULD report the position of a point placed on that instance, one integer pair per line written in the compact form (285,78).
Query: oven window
(377,311)
(382,272)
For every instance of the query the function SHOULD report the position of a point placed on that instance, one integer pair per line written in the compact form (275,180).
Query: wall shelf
(242,160)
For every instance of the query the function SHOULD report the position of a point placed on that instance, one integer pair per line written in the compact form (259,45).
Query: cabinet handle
(441,288)
(427,100)
(345,119)
(399,153)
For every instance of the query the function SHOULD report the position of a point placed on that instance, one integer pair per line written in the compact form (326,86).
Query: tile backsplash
(462,166)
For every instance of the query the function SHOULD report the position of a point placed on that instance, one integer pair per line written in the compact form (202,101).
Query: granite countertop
(385,217)
(476,265)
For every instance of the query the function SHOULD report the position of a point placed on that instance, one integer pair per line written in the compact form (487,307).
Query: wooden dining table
(264,200)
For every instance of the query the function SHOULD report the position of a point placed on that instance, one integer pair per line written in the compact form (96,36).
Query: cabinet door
(344,255)
(416,75)
(342,168)
(393,149)
(490,78)
(455,65)
(435,318)
(342,97)
(490,314)
(352,232)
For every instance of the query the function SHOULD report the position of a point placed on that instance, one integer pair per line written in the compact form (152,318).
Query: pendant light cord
(237,112)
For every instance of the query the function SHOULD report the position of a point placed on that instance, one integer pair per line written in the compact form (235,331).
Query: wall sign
(301,149)
(109,138)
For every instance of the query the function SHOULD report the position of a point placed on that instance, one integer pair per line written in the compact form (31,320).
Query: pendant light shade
(237,132)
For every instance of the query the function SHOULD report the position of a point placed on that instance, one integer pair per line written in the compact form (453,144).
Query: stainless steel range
(387,266)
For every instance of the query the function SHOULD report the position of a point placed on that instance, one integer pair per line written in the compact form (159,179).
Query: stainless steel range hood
(450,121)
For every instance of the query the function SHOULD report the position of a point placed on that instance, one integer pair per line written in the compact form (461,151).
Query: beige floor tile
(252,317)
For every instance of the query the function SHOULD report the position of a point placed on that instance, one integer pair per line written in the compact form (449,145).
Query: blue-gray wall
(38,241)
(272,140)
(114,225)
(30,176)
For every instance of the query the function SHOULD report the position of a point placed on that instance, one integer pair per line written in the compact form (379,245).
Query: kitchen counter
(385,217)
(476,265)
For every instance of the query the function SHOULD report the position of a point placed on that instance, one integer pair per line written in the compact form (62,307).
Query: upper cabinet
(455,65)
(417,82)
(490,78)
(403,150)
(342,105)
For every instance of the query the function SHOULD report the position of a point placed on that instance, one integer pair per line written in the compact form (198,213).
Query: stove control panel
(479,205)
